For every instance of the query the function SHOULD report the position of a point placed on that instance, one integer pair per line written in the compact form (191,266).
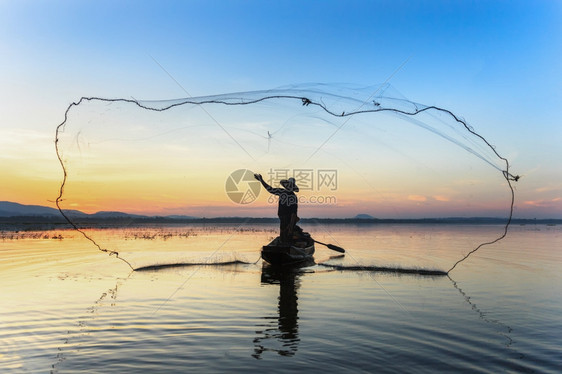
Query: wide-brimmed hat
(290,184)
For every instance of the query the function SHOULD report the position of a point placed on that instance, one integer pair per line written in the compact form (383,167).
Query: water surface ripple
(67,308)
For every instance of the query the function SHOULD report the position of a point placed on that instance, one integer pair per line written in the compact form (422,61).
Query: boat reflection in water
(280,333)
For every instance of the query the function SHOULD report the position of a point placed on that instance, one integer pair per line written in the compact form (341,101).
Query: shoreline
(45,223)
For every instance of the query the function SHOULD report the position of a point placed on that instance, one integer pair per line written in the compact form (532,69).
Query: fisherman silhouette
(288,205)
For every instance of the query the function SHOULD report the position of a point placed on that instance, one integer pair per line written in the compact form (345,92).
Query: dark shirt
(288,201)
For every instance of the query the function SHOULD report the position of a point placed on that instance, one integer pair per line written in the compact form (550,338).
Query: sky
(496,63)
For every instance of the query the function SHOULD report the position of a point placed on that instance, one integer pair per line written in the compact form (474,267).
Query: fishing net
(352,151)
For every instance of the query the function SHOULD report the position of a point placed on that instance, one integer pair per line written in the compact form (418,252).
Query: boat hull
(279,254)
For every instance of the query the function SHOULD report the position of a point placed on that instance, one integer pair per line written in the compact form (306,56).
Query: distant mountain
(104,214)
(364,216)
(9,209)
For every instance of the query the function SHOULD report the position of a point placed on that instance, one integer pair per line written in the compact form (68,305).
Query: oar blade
(336,248)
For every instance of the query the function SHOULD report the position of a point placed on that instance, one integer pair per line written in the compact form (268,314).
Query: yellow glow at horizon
(152,185)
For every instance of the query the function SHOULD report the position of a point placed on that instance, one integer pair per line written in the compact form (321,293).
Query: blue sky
(496,63)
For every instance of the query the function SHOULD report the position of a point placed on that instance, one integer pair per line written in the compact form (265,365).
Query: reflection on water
(280,333)
(505,330)
(82,323)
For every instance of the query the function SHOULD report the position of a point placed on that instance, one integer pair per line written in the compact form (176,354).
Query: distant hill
(104,214)
(364,216)
(9,209)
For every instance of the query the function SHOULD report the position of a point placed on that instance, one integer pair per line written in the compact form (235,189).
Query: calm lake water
(67,307)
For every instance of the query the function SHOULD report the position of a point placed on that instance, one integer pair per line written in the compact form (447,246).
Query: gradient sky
(496,63)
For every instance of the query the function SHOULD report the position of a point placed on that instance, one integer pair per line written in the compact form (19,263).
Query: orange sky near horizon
(40,187)
(205,196)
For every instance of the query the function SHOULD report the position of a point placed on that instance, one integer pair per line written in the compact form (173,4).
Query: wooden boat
(279,254)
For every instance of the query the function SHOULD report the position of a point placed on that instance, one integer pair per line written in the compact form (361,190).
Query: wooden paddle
(331,246)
